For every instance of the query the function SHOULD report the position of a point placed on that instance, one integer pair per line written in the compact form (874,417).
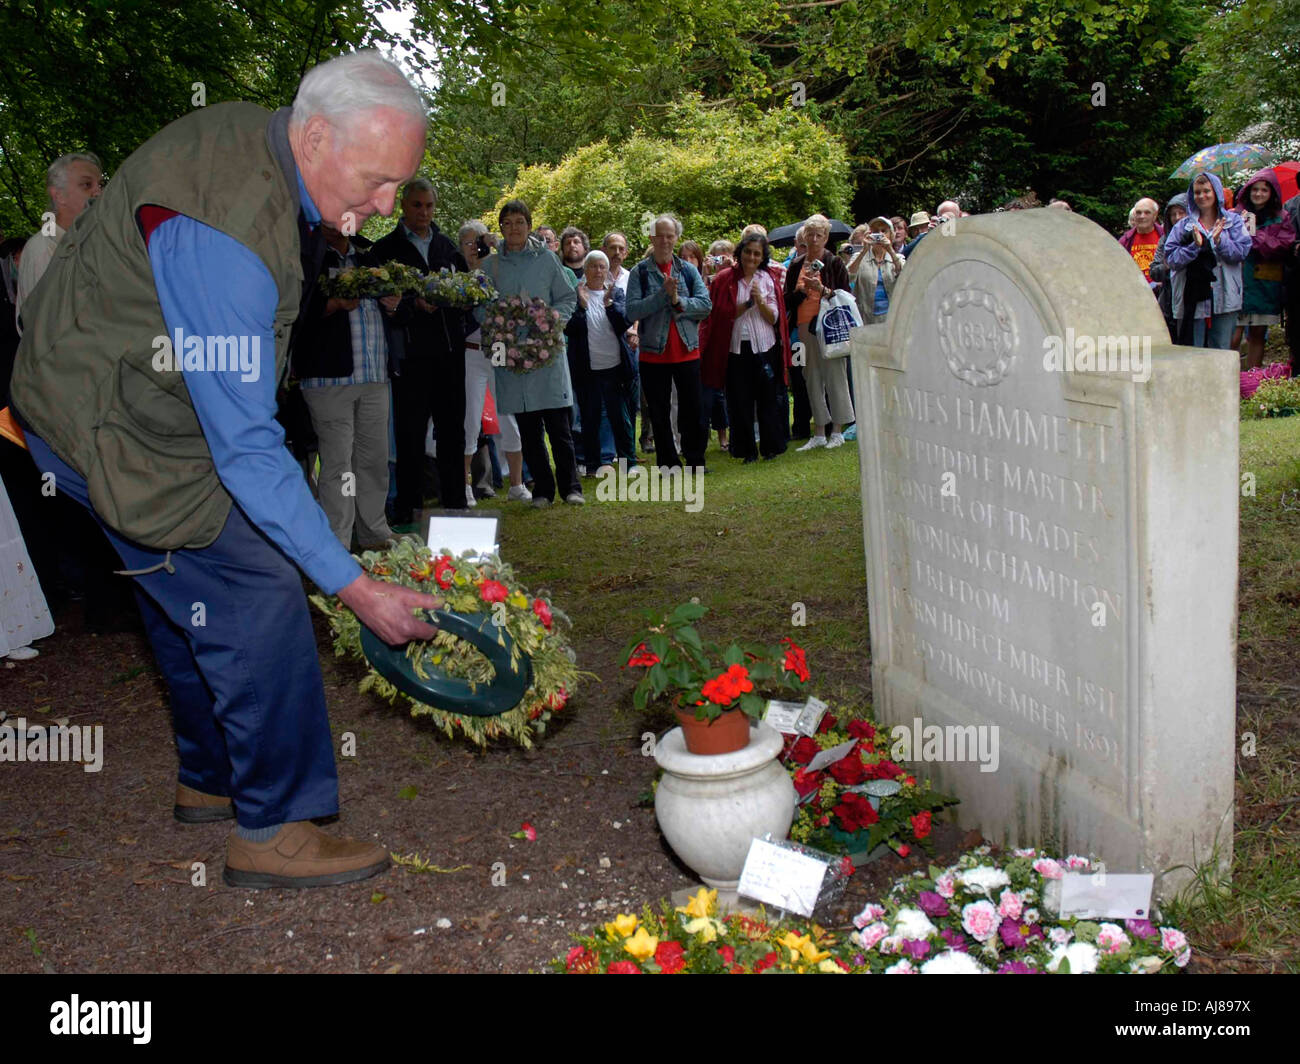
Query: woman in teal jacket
(1261,274)
(541,400)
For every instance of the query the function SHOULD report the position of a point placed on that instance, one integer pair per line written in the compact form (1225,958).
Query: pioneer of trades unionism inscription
(1052,543)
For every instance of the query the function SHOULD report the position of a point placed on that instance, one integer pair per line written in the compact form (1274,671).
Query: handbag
(838,316)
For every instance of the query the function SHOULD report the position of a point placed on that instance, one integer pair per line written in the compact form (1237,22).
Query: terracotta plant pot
(726,733)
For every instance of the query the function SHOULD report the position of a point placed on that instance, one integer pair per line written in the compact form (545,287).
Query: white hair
(595,255)
(473,226)
(420,184)
(352,84)
(672,219)
(57,175)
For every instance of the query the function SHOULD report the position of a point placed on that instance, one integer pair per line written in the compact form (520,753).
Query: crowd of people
(179,473)
(393,400)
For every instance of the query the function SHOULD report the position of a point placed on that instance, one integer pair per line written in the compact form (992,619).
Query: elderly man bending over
(157,411)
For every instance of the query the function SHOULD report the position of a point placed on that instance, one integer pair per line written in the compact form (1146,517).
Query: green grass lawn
(777,534)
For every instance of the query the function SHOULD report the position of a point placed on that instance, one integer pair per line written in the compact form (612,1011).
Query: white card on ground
(785,878)
(783,716)
(1116,895)
(811,717)
(460,534)
(829,757)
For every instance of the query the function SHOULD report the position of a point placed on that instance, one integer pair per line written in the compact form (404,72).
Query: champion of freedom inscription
(1011,576)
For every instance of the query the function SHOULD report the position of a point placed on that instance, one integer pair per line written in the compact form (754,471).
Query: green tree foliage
(1248,57)
(723,168)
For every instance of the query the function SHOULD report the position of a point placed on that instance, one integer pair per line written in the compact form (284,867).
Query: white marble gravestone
(1073,581)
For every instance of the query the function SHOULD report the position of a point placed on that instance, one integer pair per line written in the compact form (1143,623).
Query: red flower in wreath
(444,570)
(623,968)
(643,658)
(581,961)
(855,812)
(493,591)
(796,660)
(884,770)
(828,722)
(921,824)
(806,782)
(543,612)
(849,771)
(558,700)
(860,729)
(768,960)
(670,957)
(804,750)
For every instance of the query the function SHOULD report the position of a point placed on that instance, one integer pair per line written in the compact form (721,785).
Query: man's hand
(670,288)
(633,340)
(386,609)
(424,305)
(390,303)
(334,303)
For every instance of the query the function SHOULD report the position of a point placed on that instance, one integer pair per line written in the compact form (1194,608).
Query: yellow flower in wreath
(621,926)
(642,945)
(701,903)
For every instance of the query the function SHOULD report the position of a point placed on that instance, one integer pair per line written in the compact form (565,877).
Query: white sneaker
(576,498)
(605,470)
(582,470)
(518,492)
(469,496)
(814,443)
(836,440)
(23,654)
(541,504)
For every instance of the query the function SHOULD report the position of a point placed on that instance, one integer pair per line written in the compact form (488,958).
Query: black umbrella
(784,236)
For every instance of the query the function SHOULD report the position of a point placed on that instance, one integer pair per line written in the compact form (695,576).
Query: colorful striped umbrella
(1228,161)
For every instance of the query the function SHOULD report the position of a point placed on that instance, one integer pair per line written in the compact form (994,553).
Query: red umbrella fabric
(1286,177)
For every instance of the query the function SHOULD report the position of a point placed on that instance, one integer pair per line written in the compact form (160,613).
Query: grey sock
(257,834)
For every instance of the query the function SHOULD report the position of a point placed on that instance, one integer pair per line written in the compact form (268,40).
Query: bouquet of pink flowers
(522,335)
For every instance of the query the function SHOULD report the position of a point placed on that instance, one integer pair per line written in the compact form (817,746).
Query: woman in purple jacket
(1271,241)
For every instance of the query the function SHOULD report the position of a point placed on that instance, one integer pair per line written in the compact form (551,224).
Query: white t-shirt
(750,325)
(602,344)
(38,253)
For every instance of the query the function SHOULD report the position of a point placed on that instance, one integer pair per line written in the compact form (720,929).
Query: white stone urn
(711,807)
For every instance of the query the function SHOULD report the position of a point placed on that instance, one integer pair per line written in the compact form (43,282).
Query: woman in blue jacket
(1204,253)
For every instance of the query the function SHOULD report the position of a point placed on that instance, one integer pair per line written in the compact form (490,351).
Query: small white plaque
(459,534)
(783,716)
(811,717)
(829,757)
(784,878)
(1124,895)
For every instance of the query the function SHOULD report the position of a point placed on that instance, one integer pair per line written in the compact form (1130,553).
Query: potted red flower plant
(715,691)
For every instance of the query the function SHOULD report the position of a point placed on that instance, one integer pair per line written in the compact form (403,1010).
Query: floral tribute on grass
(529,331)
(454,288)
(864,799)
(1000,915)
(983,915)
(682,671)
(371,282)
(485,586)
(694,940)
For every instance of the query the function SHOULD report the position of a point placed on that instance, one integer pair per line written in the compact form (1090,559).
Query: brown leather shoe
(301,855)
(195,807)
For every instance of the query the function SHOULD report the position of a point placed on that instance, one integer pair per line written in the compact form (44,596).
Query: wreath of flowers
(988,914)
(982,915)
(529,332)
(371,282)
(469,586)
(836,803)
(452,288)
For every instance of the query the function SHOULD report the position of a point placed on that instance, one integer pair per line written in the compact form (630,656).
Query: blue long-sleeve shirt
(211,285)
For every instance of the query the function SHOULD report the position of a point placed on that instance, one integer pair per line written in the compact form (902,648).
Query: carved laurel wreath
(1004,345)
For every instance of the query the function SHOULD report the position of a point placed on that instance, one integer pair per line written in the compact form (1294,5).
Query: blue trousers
(231,631)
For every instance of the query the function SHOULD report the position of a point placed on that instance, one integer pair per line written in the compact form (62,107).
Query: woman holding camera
(874,270)
(809,281)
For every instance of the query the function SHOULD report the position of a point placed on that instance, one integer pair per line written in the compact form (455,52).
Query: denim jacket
(647,303)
